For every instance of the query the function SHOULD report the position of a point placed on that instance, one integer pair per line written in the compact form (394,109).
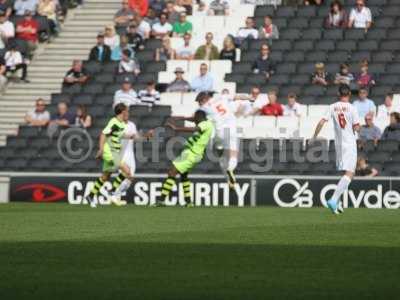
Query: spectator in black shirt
(135,40)
(363,169)
(100,52)
(229,50)
(392,132)
(77,74)
(263,64)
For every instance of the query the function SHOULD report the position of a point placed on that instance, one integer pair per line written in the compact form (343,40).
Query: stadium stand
(303,42)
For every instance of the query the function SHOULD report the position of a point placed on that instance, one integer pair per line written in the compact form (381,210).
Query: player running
(191,155)
(128,158)
(346,123)
(110,152)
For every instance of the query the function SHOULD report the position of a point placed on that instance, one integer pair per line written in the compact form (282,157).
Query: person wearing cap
(204,82)
(182,26)
(28,30)
(162,28)
(149,96)
(123,16)
(320,76)
(218,8)
(14,61)
(126,95)
(179,84)
(7,30)
(100,52)
(22,6)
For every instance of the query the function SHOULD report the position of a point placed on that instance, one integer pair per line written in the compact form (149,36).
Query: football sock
(232,163)
(167,187)
(186,188)
(124,186)
(342,185)
(117,182)
(96,187)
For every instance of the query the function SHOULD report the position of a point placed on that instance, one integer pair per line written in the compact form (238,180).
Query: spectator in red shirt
(141,6)
(28,30)
(273,108)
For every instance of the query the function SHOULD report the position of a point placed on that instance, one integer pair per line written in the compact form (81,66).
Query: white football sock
(342,185)
(123,187)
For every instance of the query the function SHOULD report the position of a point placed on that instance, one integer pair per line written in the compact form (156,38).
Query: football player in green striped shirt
(191,155)
(110,152)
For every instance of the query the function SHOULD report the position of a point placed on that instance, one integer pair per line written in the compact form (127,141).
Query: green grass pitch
(57,251)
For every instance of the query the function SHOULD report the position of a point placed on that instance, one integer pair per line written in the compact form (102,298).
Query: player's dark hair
(396,115)
(119,108)
(344,90)
(202,96)
(200,115)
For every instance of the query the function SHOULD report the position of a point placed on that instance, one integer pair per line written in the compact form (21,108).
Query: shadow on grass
(135,270)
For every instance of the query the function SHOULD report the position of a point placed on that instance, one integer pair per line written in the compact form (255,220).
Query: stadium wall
(209,190)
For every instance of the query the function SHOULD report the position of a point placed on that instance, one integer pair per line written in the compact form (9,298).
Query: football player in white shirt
(220,110)
(346,123)
(128,157)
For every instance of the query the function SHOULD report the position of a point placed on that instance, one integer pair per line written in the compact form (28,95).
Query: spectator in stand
(14,61)
(247,32)
(229,50)
(135,40)
(82,118)
(152,17)
(320,76)
(22,6)
(157,5)
(313,2)
(123,17)
(166,52)
(48,9)
(28,30)
(204,82)
(140,6)
(150,96)
(7,31)
(179,84)
(3,78)
(127,64)
(392,132)
(385,109)
(208,51)
(201,9)
(6,6)
(116,53)
(263,64)
(268,30)
(111,39)
(273,108)
(337,17)
(182,26)
(100,52)
(360,16)
(38,117)
(344,76)
(163,28)
(218,8)
(252,103)
(143,28)
(363,169)
(63,119)
(76,75)
(363,104)
(186,52)
(178,6)
(369,131)
(126,95)
(365,79)
(292,108)
(173,16)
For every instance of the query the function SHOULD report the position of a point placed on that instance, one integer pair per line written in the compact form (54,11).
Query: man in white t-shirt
(39,116)
(249,31)
(346,122)
(385,109)
(126,95)
(143,28)
(186,52)
(292,108)
(360,16)
(7,30)
(162,28)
